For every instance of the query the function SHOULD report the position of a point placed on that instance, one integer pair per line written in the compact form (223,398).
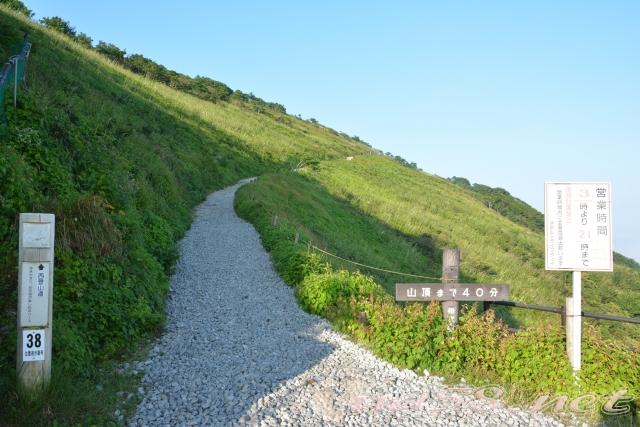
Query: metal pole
(15,82)
(574,323)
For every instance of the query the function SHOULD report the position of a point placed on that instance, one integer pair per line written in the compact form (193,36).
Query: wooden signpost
(450,292)
(35,299)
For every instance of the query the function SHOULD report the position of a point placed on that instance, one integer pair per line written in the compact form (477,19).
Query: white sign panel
(577,224)
(33,345)
(34,281)
(36,235)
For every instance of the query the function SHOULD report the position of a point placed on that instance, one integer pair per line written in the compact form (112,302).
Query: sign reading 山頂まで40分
(578,232)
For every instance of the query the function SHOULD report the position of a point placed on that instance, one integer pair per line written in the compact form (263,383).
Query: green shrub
(302,264)
(319,292)
(408,336)
(609,366)
(472,345)
(534,360)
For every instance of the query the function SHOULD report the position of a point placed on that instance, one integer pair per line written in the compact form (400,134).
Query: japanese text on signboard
(578,232)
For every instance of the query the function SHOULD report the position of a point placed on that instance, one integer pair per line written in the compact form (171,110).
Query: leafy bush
(59,24)
(534,360)
(319,292)
(84,40)
(111,51)
(472,345)
(409,336)
(18,6)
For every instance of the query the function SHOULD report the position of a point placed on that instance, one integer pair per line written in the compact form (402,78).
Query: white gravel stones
(237,350)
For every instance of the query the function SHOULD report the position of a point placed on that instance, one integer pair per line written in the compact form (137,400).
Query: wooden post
(450,274)
(35,300)
(275,220)
(296,239)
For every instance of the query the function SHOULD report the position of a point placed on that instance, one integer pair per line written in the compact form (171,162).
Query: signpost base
(450,313)
(574,323)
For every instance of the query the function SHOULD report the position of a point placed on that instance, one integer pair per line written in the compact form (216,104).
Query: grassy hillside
(121,161)
(417,214)
(374,211)
(504,203)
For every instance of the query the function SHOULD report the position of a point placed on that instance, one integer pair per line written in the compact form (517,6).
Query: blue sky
(507,94)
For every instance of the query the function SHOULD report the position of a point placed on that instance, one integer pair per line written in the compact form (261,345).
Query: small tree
(18,6)
(59,24)
(111,51)
(84,40)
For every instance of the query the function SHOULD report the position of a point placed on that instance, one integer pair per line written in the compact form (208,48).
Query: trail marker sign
(33,345)
(34,304)
(577,225)
(450,292)
(35,299)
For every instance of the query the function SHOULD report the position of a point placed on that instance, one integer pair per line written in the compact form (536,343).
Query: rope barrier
(369,266)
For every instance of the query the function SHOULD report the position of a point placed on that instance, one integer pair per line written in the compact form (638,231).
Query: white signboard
(577,224)
(36,235)
(34,281)
(33,345)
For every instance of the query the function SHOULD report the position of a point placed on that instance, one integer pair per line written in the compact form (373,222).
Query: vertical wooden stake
(35,300)
(296,239)
(450,274)
(275,220)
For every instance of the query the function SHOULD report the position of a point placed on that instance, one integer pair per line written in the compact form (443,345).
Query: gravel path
(238,350)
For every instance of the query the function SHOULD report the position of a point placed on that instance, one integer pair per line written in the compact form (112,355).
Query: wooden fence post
(450,274)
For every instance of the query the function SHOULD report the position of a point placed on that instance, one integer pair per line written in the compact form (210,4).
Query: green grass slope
(504,203)
(375,211)
(305,207)
(417,214)
(121,161)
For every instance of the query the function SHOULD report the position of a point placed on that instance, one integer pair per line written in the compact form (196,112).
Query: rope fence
(556,310)
(370,267)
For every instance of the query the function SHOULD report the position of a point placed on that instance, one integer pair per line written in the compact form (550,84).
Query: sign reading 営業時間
(578,234)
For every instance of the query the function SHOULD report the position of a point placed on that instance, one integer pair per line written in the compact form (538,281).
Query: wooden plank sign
(451,292)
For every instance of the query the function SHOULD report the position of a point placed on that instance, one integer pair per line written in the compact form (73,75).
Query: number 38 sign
(33,344)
